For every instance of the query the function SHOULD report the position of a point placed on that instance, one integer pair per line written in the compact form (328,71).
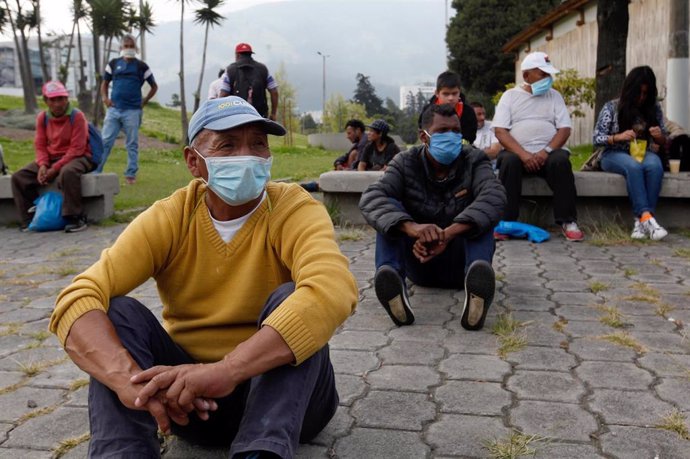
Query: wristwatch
(548,150)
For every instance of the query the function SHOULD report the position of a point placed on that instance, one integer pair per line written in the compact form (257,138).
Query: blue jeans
(642,179)
(446,270)
(129,122)
(271,412)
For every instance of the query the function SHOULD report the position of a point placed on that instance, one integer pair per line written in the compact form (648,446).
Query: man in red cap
(62,153)
(249,79)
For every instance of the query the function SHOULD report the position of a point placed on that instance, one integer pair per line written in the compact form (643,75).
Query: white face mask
(128,52)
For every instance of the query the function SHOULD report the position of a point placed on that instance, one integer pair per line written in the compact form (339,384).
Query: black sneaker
(392,293)
(480,284)
(24,228)
(76,224)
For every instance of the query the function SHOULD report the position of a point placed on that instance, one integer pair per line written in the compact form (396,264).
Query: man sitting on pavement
(354,131)
(449,91)
(434,210)
(486,139)
(533,124)
(253,286)
(62,153)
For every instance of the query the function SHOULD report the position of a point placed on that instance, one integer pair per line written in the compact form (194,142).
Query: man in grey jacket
(434,211)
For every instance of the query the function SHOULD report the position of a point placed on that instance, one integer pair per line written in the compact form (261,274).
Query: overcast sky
(57,15)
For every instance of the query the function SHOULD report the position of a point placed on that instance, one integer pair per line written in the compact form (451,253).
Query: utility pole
(677,65)
(323,97)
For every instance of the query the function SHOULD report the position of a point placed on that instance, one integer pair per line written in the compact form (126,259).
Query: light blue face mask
(542,86)
(237,179)
(445,147)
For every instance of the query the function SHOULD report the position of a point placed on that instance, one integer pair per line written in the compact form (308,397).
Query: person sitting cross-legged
(253,286)
(434,210)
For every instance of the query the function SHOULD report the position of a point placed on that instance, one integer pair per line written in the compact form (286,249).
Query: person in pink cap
(249,79)
(62,154)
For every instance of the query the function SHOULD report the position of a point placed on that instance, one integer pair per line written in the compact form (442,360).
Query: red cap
(243,48)
(54,89)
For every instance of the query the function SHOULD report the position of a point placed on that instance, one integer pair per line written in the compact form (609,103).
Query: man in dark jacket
(449,91)
(249,79)
(434,211)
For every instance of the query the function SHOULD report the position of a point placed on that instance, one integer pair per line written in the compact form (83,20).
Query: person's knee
(276,298)
(509,160)
(124,309)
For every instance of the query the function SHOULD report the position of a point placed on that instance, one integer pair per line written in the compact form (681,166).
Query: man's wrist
(548,150)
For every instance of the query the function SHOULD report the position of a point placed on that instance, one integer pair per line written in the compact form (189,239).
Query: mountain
(393,42)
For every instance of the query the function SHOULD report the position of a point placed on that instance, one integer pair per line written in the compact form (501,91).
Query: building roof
(544,22)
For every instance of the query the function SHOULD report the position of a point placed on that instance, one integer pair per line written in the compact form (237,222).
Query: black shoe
(480,285)
(76,224)
(392,293)
(24,228)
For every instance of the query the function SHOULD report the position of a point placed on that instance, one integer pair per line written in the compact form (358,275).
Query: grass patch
(685,232)
(624,339)
(509,337)
(500,277)
(66,445)
(63,253)
(11,328)
(560,325)
(629,272)
(41,335)
(612,316)
(662,309)
(78,384)
(37,413)
(611,233)
(675,422)
(683,253)
(515,445)
(33,368)
(596,286)
(350,233)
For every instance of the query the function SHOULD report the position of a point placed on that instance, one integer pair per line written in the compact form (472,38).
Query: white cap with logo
(538,60)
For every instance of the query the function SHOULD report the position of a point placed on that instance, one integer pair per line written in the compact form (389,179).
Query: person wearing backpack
(249,79)
(63,153)
(125,104)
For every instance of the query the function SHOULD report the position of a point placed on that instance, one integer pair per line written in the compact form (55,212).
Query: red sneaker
(500,237)
(572,232)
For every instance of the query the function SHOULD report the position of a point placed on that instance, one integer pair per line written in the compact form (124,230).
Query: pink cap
(54,89)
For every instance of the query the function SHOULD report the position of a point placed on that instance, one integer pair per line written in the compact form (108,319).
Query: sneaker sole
(76,230)
(391,293)
(480,285)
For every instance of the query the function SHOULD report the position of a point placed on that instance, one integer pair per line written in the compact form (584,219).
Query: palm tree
(208,17)
(183,100)
(145,25)
(42,58)
(78,13)
(24,23)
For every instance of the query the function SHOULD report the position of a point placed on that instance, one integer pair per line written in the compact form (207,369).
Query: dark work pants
(271,412)
(558,173)
(446,270)
(25,187)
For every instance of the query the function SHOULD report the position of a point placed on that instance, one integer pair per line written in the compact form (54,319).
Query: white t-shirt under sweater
(485,136)
(228,229)
(532,120)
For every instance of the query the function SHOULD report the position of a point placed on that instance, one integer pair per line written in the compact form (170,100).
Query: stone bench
(98,190)
(602,197)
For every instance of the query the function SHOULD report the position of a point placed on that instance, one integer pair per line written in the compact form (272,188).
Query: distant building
(56,54)
(414,94)
(568,34)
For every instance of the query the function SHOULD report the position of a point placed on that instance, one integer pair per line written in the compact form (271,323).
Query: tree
(41,54)
(287,103)
(365,94)
(308,124)
(476,56)
(612,19)
(339,110)
(403,122)
(183,99)
(145,25)
(208,17)
(174,100)
(18,23)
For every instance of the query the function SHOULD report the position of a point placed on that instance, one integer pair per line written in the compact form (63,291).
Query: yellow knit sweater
(213,292)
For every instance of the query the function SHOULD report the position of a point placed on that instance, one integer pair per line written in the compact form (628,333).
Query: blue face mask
(445,147)
(542,86)
(237,179)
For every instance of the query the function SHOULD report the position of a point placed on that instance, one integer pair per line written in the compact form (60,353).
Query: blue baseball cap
(227,113)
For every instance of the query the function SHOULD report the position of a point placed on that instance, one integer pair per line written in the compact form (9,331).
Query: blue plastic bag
(48,216)
(519,229)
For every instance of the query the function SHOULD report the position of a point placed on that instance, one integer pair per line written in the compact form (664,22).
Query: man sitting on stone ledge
(434,211)
(354,131)
(62,153)
(253,285)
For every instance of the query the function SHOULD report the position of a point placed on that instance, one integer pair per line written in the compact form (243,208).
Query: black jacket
(470,194)
(468,120)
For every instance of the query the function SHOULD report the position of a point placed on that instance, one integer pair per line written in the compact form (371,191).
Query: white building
(411,92)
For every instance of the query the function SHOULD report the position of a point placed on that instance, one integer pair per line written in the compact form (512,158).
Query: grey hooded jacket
(470,194)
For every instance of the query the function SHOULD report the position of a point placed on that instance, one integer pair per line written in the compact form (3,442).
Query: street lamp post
(323,97)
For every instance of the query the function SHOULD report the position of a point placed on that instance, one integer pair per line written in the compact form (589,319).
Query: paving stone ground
(582,387)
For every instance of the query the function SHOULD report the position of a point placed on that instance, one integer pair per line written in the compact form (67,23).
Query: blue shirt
(128,77)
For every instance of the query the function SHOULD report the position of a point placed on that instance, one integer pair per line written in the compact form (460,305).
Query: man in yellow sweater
(253,286)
